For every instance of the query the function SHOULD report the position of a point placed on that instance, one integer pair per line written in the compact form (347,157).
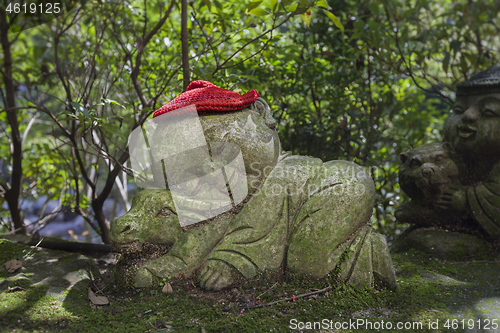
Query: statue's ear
(260,106)
(404,156)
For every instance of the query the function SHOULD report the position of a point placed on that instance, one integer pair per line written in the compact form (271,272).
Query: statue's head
(474,126)
(225,116)
(427,169)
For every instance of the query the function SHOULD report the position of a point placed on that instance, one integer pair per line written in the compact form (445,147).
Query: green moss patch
(430,291)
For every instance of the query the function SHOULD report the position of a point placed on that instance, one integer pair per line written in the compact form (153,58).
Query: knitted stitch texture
(207,98)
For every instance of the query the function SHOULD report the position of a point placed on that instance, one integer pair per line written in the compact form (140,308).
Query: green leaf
(471,58)
(218,5)
(92,107)
(463,64)
(111,102)
(455,45)
(446,62)
(322,3)
(335,20)
(292,7)
(68,118)
(251,77)
(78,107)
(209,5)
(247,40)
(306,17)
(304,5)
(273,4)
(199,73)
(253,4)
(258,12)
(112,129)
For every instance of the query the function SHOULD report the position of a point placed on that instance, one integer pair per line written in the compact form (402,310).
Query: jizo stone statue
(274,212)
(456,184)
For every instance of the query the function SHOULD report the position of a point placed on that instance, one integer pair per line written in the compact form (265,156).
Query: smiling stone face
(474,126)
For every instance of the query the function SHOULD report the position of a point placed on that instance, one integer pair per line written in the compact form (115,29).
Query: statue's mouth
(466,131)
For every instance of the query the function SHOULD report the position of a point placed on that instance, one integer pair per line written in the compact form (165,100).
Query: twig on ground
(268,290)
(27,254)
(293,298)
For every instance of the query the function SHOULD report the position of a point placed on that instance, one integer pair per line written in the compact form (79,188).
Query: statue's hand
(215,275)
(454,197)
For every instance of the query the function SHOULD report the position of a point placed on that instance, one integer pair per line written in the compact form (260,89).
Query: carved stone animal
(303,216)
(426,171)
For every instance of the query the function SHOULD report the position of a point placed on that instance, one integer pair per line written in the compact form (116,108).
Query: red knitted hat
(207,97)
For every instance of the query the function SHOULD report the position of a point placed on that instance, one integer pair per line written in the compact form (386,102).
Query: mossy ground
(429,290)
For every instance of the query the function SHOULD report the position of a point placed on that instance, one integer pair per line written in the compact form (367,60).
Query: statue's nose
(427,171)
(471,115)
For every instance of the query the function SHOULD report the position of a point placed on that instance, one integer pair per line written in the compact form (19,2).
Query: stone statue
(301,215)
(456,185)
(425,174)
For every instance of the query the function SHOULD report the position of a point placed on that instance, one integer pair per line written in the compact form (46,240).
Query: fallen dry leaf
(167,288)
(13,265)
(97,300)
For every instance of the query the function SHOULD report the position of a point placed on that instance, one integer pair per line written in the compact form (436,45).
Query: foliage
(346,80)
(380,88)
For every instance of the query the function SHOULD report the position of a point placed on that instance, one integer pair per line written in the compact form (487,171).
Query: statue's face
(474,126)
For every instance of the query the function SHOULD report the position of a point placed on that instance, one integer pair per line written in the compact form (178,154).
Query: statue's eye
(489,113)
(415,162)
(439,158)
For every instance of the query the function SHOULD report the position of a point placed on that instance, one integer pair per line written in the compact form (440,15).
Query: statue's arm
(484,203)
(454,198)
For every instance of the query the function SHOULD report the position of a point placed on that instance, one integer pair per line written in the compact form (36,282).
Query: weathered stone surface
(442,244)
(155,206)
(299,213)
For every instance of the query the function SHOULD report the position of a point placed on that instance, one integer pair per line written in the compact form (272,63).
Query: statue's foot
(381,261)
(215,275)
(164,267)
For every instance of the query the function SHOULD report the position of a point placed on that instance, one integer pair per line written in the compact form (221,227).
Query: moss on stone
(430,289)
